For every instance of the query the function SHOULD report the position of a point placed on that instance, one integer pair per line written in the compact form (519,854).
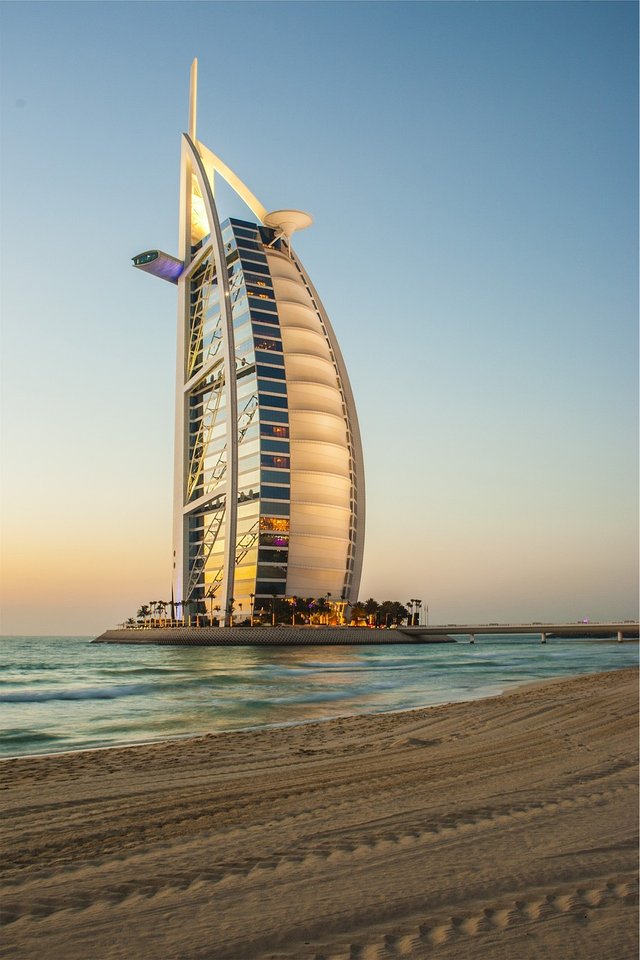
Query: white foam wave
(77,693)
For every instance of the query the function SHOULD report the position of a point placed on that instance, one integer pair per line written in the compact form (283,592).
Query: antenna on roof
(193,96)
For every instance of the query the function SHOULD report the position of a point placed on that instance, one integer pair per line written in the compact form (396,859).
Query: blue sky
(472,172)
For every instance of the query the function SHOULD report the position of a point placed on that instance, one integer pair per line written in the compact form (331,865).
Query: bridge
(621,630)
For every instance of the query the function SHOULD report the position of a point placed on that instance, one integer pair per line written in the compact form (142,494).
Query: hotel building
(269,482)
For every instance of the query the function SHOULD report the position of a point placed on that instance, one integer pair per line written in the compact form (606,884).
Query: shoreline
(285,724)
(499,827)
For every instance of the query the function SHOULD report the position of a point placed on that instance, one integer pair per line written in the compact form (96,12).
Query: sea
(64,693)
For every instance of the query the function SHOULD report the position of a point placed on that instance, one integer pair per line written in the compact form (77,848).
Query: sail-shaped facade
(269,479)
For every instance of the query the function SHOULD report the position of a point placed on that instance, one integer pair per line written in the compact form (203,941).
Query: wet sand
(500,828)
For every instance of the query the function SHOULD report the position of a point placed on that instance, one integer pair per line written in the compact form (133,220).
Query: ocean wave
(77,693)
(21,735)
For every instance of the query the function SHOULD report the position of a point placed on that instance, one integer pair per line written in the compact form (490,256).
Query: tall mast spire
(193,97)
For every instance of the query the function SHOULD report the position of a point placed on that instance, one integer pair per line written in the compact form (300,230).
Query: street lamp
(252,598)
(417,614)
(212,597)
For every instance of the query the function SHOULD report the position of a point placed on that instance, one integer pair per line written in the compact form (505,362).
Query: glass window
(275,373)
(270,401)
(267,234)
(269,460)
(276,493)
(272,571)
(244,351)
(243,332)
(262,310)
(275,446)
(272,345)
(273,556)
(253,266)
(275,416)
(240,315)
(273,386)
(261,317)
(245,244)
(266,589)
(270,357)
(274,430)
(273,476)
(276,507)
(274,525)
(260,286)
(272,332)
(271,318)
(246,224)
(261,299)
(274,540)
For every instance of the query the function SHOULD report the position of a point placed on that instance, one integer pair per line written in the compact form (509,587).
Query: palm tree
(321,607)
(143,611)
(303,607)
(371,608)
(358,612)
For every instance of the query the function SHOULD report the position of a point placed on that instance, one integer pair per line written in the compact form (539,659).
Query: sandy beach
(497,828)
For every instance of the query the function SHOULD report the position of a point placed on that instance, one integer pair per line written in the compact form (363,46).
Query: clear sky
(472,172)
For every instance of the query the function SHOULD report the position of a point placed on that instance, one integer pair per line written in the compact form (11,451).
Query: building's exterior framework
(269,478)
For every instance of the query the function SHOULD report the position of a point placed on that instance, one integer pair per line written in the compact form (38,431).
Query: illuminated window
(274,523)
(274,430)
(269,460)
(274,540)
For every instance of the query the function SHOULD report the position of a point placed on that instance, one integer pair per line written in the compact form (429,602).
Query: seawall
(264,636)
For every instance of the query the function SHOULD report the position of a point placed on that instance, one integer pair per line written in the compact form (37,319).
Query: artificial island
(269,491)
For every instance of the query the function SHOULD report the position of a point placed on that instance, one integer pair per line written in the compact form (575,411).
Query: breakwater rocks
(266,636)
